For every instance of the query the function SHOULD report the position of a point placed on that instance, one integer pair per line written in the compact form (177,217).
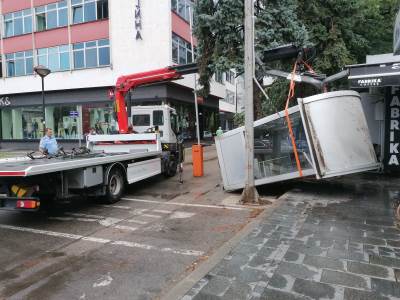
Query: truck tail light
(28,204)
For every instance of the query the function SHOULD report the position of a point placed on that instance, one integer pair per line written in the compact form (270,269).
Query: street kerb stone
(385,287)
(297,270)
(294,257)
(397,275)
(270,294)
(237,290)
(367,269)
(384,261)
(324,262)
(281,282)
(217,285)
(344,279)
(315,290)
(393,243)
(352,294)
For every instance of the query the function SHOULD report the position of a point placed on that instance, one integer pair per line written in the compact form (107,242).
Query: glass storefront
(69,122)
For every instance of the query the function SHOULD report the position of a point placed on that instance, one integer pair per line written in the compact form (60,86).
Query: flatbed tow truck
(108,162)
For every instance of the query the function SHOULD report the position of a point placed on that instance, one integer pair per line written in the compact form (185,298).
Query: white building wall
(128,55)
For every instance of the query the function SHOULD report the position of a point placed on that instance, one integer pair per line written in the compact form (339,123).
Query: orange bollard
(197,157)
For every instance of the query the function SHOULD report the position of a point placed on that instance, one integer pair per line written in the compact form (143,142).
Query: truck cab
(146,119)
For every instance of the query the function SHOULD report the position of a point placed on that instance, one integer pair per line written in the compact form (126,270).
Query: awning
(374,75)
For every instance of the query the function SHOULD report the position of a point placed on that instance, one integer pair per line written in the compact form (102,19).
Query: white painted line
(123,227)
(102,241)
(137,221)
(181,215)
(85,215)
(116,206)
(141,212)
(161,211)
(150,216)
(104,280)
(106,222)
(187,204)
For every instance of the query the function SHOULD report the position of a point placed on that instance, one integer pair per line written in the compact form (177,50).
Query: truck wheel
(115,186)
(170,168)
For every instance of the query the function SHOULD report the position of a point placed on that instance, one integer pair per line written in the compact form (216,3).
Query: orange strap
(288,121)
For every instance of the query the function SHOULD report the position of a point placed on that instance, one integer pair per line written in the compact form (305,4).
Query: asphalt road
(138,248)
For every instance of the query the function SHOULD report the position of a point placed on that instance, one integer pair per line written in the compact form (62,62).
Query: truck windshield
(141,120)
(158,118)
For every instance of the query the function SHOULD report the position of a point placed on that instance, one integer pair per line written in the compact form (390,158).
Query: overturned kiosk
(331,139)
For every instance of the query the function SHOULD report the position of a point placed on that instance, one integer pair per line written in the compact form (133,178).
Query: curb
(184,286)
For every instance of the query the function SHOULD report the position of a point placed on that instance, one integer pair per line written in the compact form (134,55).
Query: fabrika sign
(392,148)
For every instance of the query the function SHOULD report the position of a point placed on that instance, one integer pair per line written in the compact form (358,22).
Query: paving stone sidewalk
(322,242)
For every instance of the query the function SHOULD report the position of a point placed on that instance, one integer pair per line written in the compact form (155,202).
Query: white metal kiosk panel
(230,148)
(338,133)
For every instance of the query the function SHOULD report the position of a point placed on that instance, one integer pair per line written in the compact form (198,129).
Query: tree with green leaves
(219,31)
(342,32)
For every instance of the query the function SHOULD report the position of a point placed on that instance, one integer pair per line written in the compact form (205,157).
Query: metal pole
(195,79)
(249,193)
(43,107)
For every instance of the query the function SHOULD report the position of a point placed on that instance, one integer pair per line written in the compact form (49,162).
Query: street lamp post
(42,71)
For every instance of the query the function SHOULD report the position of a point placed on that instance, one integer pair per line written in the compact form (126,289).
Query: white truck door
(338,134)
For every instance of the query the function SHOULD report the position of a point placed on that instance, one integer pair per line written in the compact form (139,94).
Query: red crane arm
(128,82)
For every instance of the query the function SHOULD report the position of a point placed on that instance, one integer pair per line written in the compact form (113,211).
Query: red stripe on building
(90,31)
(181,28)
(51,38)
(18,43)
(43,2)
(15,5)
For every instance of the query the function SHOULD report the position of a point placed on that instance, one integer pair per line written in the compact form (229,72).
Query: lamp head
(42,71)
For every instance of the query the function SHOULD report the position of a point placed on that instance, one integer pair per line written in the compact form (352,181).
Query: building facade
(88,44)
(233,102)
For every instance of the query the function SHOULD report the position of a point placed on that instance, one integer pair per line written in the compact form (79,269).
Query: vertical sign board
(392,131)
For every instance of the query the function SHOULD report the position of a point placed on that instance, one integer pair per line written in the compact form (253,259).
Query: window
(51,16)
(229,97)
(182,8)
(100,118)
(19,63)
(219,76)
(158,118)
(181,50)
(18,23)
(230,77)
(91,54)
(141,120)
(54,58)
(89,10)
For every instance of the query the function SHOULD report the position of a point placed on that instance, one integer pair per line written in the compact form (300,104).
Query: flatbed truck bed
(102,172)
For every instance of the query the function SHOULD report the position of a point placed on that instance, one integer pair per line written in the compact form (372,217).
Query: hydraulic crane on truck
(129,82)
(110,162)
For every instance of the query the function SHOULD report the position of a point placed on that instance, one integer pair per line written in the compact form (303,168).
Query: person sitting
(48,143)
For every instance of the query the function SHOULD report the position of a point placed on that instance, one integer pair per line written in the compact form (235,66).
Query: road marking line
(181,215)
(141,212)
(123,227)
(85,215)
(137,221)
(106,221)
(116,206)
(161,211)
(187,204)
(102,241)
(150,216)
